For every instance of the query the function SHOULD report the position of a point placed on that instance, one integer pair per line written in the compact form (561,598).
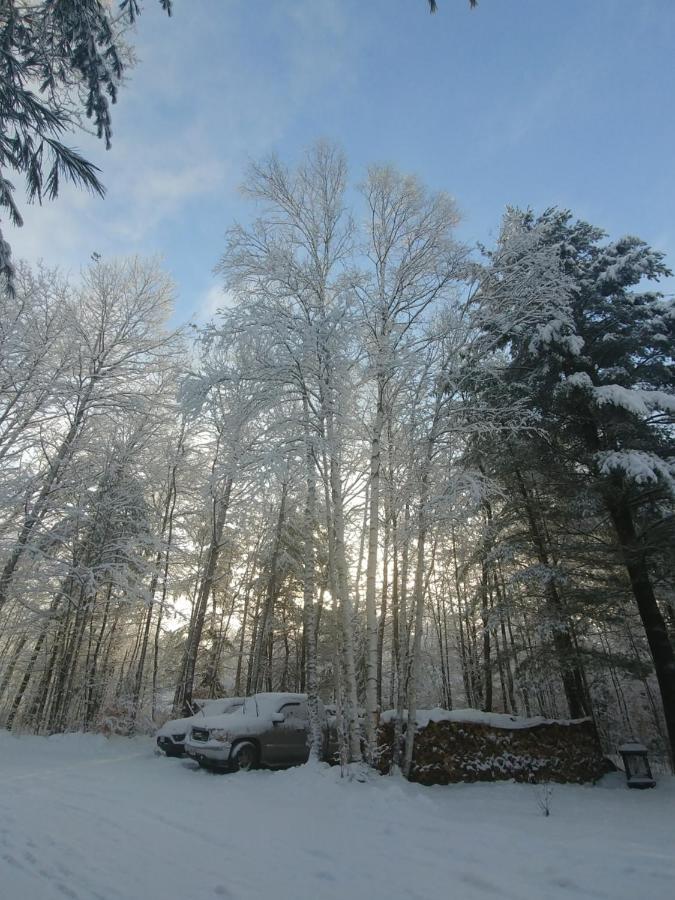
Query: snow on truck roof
(270,702)
(257,706)
(207,706)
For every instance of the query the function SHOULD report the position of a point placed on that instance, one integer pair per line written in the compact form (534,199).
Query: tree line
(392,471)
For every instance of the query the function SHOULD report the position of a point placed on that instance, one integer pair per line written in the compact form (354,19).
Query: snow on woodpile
(470,745)
(478,717)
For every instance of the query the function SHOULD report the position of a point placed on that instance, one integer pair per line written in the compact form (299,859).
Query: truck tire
(244,757)
(174,752)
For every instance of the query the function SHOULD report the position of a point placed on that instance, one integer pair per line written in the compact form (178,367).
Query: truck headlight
(219,734)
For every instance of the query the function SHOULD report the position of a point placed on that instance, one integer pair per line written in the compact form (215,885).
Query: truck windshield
(250,707)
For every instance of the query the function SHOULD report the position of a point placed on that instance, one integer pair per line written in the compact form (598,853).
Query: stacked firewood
(449,751)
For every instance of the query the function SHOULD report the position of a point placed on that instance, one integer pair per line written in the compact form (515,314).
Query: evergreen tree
(599,377)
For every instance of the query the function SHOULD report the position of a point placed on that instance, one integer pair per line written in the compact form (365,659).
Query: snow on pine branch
(638,466)
(635,400)
(476,717)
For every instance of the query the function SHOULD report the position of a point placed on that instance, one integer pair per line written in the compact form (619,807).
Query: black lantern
(636,764)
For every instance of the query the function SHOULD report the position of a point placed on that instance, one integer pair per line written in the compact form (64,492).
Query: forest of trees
(392,472)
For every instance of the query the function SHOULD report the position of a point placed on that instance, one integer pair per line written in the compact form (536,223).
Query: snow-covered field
(85,817)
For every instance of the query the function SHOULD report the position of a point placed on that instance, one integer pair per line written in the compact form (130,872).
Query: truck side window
(297,714)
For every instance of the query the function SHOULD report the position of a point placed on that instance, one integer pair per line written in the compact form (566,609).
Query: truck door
(293,734)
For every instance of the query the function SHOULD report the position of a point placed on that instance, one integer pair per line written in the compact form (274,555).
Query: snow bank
(94,819)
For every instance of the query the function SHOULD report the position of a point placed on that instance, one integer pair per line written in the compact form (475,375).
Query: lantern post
(636,765)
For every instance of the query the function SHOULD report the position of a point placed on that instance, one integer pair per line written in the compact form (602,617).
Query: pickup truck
(171,736)
(270,730)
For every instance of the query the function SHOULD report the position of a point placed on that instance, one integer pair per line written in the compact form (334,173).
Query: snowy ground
(85,817)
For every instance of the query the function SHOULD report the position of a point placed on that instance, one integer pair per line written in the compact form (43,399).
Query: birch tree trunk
(372,706)
(264,629)
(418,606)
(309,587)
(342,584)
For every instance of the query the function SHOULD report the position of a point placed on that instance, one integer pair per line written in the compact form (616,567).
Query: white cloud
(157,193)
(63,233)
(210,302)
(201,102)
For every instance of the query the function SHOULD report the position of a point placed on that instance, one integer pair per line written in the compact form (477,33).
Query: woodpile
(454,751)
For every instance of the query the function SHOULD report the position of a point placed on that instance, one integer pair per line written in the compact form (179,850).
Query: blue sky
(527,102)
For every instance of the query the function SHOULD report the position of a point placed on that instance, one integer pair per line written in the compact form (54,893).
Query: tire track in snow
(47,773)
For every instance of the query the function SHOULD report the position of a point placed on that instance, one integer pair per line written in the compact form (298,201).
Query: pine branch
(76,168)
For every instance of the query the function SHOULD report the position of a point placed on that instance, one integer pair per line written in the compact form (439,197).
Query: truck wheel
(244,757)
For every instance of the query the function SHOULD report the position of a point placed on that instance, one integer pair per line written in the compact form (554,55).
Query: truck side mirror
(278,718)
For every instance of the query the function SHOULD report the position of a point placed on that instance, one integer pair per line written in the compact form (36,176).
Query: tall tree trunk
(247,581)
(309,625)
(28,671)
(339,585)
(383,608)
(418,607)
(166,527)
(372,711)
(41,504)
(183,694)
(346,612)
(362,552)
(92,696)
(467,667)
(653,622)
(487,661)
(572,680)
(395,615)
(63,690)
(341,724)
(9,671)
(504,655)
(260,671)
(242,638)
(446,653)
(403,641)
